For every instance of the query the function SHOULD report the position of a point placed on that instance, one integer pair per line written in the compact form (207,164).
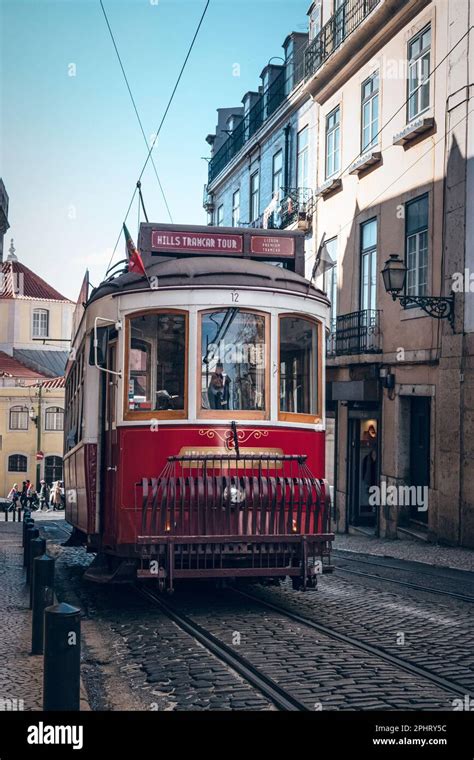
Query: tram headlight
(234,494)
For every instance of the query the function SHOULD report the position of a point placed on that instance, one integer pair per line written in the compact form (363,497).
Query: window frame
(58,410)
(23,456)
(316,418)
(278,173)
(148,414)
(220,216)
(39,313)
(18,409)
(253,194)
(302,158)
(363,102)
(416,233)
(368,253)
(332,131)
(415,61)
(235,207)
(236,413)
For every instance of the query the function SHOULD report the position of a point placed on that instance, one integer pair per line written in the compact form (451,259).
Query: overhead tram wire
(134,106)
(162,122)
(395,113)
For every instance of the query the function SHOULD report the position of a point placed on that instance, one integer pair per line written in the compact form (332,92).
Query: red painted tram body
(194,430)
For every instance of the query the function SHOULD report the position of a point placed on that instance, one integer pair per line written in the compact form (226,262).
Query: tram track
(253,675)
(282,699)
(468,598)
(371,649)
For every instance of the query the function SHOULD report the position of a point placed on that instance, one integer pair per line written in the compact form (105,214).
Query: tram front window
(156,367)
(233,361)
(298,366)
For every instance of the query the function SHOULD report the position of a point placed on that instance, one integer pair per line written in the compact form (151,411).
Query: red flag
(135,263)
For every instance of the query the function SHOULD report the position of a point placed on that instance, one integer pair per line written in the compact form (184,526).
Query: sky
(71,149)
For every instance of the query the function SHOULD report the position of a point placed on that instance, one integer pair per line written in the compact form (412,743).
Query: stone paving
(21,674)
(134,657)
(406,549)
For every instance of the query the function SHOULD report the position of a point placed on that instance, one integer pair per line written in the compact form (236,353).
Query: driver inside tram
(218,391)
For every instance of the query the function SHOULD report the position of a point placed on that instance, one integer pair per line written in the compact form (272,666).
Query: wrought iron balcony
(295,201)
(355,333)
(263,108)
(341,24)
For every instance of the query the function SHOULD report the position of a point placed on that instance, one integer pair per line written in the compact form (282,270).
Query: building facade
(384,89)
(31,423)
(35,324)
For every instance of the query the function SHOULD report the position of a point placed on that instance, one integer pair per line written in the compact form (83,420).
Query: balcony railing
(341,24)
(355,333)
(263,108)
(295,200)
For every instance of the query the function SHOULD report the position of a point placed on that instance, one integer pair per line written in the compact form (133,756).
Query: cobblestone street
(135,657)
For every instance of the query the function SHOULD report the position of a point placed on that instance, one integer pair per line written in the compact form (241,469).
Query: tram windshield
(233,360)
(298,365)
(156,365)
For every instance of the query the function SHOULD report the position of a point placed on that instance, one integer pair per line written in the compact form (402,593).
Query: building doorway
(420,412)
(363,462)
(53,469)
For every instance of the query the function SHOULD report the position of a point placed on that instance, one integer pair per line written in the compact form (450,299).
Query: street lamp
(32,415)
(394,276)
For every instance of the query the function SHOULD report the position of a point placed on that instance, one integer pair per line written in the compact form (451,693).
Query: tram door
(110,448)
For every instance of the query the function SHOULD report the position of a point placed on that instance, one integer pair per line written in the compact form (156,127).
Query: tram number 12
(234,296)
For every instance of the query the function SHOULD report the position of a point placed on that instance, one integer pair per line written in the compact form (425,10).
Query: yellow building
(27,400)
(35,324)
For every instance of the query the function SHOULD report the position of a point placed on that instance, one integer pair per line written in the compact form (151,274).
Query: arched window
(19,418)
(17,463)
(54,418)
(40,323)
(53,469)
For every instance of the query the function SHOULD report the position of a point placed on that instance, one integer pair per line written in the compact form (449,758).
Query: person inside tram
(218,391)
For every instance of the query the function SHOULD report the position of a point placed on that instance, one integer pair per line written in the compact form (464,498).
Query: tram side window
(298,366)
(233,360)
(157,361)
(73,421)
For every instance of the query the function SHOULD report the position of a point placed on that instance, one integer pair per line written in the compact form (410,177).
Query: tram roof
(209,271)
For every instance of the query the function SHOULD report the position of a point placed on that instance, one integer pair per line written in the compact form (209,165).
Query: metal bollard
(31,533)
(62,658)
(43,596)
(37,548)
(27,522)
(5,512)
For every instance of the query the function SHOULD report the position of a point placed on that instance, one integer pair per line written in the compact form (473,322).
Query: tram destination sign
(270,245)
(170,240)
(196,242)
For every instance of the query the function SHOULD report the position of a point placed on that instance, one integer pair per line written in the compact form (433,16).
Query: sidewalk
(21,674)
(406,549)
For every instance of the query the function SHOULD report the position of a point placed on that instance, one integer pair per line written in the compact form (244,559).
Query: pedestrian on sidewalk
(56,495)
(44,495)
(24,494)
(13,497)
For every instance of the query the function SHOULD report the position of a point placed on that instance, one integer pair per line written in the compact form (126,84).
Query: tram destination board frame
(177,240)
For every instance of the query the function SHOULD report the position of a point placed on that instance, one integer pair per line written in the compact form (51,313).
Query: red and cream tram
(195,412)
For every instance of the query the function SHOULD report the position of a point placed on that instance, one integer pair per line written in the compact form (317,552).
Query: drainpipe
(287,131)
(38,438)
